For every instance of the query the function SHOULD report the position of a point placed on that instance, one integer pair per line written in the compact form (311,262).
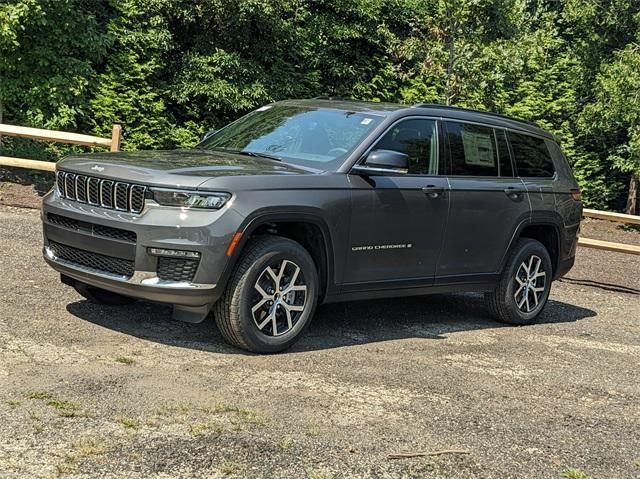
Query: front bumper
(109,249)
(142,285)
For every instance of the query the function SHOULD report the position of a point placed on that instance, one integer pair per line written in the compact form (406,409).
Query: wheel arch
(300,226)
(544,230)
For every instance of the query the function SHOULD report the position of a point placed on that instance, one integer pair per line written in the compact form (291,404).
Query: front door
(398,221)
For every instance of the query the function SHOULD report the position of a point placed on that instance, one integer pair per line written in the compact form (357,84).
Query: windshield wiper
(256,154)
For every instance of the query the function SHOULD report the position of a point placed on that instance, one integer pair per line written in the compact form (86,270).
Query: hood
(174,168)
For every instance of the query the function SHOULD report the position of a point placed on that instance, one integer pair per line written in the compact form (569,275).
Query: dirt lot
(89,391)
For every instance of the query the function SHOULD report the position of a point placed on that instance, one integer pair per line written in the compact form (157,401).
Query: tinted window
(506,168)
(473,150)
(531,155)
(418,139)
(318,137)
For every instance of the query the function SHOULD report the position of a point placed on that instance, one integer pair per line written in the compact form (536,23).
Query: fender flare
(289,215)
(545,220)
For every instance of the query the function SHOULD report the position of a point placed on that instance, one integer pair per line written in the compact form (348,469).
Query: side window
(473,150)
(506,168)
(531,155)
(418,139)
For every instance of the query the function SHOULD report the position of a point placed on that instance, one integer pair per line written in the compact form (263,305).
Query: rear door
(487,203)
(398,221)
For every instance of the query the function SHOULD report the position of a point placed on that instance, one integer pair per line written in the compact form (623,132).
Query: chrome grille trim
(121,196)
(106,193)
(70,186)
(95,191)
(60,182)
(136,198)
(81,188)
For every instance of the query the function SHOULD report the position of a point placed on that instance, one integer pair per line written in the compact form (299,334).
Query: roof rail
(332,98)
(488,113)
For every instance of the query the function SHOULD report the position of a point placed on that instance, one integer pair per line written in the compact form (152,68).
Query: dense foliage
(168,70)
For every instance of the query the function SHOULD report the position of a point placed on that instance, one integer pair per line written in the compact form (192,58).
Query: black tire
(102,296)
(503,301)
(233,312)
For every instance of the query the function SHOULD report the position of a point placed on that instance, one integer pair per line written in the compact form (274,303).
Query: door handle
(432,191)
(514,193)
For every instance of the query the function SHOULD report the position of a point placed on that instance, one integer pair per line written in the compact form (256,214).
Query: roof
(445,111)
(345,104)
(486,116)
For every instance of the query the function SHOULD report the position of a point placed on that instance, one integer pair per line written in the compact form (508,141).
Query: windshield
(316,137)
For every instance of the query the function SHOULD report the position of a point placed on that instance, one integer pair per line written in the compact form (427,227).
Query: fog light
(175,253)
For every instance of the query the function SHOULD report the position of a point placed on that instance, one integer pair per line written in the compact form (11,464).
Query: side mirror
(207,135)
(384,162)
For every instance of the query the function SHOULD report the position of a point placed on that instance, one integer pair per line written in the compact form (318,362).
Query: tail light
(576,194)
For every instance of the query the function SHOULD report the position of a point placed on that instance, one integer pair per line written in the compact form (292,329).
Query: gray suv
(310,201)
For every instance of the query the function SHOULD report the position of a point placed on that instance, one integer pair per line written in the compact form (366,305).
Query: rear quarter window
(531,155)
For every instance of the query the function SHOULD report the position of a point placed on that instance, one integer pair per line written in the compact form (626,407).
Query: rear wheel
(271,296)
(525,284)
(102,296)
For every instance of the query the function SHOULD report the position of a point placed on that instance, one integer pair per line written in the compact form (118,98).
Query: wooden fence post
(632,198)
(116,132)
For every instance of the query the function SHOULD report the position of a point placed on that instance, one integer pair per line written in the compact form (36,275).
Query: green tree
(48,53)
(134,85)
(613,119)
(169,70)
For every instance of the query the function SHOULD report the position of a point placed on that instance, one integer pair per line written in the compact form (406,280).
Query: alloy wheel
(531,282)
(280,297)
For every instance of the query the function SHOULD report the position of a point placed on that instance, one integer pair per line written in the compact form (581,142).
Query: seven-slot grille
(98,192)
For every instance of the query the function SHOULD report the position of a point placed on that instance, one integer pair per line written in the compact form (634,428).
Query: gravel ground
(88,391)
(24,188)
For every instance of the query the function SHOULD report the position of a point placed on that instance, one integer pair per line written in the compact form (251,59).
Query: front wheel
(525,284)
(270,298)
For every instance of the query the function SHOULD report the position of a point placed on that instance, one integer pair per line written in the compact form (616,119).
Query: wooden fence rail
(112,143)
(607,215)
(608,245)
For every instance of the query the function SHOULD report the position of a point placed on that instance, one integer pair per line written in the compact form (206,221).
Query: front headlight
(188,199)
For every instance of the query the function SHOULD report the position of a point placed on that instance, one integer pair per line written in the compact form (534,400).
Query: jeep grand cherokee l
(310,201)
